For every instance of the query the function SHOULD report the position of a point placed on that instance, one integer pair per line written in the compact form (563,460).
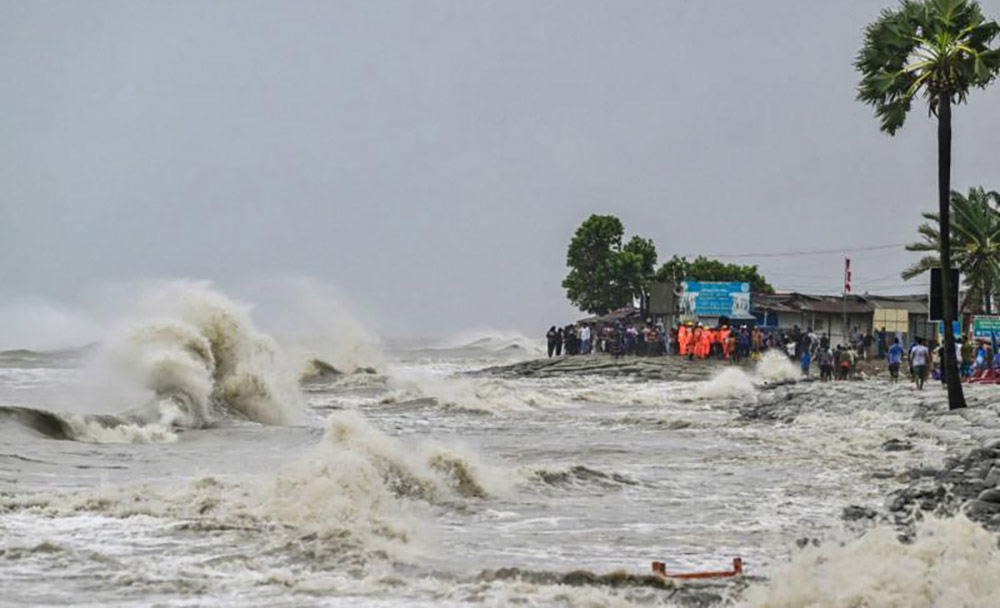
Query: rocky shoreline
(966,482)
(640,368)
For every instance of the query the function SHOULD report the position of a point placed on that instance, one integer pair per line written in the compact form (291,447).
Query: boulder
(992,495)
(981,508)
(897,445)
(855,512)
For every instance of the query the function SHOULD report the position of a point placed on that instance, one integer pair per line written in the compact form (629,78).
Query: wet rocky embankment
(640,368)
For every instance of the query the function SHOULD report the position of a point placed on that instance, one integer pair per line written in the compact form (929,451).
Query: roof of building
(622,314)
(916,303)
(852,304)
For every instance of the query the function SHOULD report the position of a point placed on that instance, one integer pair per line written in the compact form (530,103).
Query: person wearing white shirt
(585,340)
(920,358)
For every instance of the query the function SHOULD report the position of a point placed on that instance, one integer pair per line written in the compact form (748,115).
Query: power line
(795,253)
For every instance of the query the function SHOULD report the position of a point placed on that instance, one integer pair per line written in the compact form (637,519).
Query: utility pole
(847,290)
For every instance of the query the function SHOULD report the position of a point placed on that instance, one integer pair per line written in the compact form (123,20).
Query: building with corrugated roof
(836,316)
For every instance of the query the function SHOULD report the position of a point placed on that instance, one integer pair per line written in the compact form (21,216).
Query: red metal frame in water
(661,569)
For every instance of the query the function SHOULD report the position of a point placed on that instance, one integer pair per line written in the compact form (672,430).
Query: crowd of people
(616,339)
(806,348)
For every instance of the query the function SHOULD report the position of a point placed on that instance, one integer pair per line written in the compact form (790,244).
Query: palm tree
(975,246)
(941,49)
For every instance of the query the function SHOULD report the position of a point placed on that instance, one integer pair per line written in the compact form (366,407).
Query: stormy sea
(189,458)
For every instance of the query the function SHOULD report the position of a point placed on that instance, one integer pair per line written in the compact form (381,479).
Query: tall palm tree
(975,246)
(942,50)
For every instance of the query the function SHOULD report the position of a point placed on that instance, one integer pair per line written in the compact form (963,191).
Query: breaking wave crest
(951,562)
(734,382)
(96,429)
(202,351)
(193,359)
(358,492)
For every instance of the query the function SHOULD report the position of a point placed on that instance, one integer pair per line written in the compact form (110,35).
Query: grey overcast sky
(430,159)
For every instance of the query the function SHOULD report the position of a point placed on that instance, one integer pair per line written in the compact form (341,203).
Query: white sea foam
(734,382)
(358,491)
(482,394)
(730,383)
(776,367)
(952,562)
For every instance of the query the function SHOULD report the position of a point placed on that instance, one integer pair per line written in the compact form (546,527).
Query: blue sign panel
(956,329)
(705,299)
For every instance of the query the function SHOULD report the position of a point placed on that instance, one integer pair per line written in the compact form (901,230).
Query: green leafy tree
(603,274)
(940,49)
(975,246)
(639,265)
(705,269)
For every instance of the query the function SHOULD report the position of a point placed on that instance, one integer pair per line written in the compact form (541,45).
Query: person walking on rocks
(825,365)
(921,358)
(895,357)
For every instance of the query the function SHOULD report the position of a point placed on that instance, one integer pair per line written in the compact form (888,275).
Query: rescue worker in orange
(682,339)
(695,342)
(724,339)
(707,337)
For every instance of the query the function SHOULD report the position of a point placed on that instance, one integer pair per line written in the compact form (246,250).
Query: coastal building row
(837,316)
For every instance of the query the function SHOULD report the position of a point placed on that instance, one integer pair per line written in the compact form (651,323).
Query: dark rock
(897,445)
(983,454)
(981,508)
(992,495)
(854,513)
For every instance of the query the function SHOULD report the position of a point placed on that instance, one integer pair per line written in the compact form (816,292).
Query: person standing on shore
(965,356)
(550,339)
(585,340)
(895,357)
(825,364)
(559,341)
(920,359)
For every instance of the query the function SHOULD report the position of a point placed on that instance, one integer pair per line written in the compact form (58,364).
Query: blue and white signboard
(705,299)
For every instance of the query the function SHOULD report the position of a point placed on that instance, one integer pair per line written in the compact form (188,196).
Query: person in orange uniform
(682,339)
(707,336)
(692,340)
(696,340)
(724,339)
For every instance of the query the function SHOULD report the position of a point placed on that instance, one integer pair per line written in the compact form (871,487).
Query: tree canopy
(941,49)
(603,274)
(706,269)
(975,239)
(934,47)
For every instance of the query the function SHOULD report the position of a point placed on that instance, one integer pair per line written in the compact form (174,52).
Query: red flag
(847,275)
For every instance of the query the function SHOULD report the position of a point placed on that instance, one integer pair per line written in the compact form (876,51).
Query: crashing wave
(735,383)
(195,359)
(202,353)
(358,493)
(951,562)
(492,342)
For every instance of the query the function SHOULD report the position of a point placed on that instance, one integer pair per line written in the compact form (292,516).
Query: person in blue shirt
(895,357)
